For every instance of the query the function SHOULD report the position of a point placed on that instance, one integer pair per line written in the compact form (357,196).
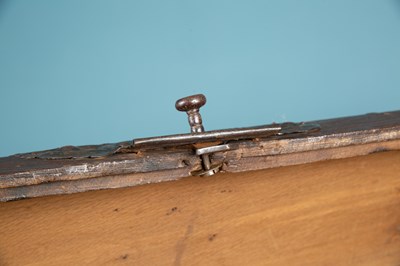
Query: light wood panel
(338,212)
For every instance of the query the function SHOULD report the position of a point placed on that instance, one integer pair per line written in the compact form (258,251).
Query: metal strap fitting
(191,106)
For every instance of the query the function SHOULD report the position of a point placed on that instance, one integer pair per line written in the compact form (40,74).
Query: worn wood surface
(78,169)
(337,212)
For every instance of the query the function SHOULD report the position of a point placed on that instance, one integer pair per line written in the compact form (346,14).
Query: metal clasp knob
(191,105)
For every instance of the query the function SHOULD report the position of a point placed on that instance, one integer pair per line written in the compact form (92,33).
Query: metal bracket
(210,169)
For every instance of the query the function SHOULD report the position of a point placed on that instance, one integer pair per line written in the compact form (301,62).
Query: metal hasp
(207,143)
(191,105)
(225,135)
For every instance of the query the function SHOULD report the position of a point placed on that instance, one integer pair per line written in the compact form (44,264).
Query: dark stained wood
(99,167)
(35,171)
(336,212)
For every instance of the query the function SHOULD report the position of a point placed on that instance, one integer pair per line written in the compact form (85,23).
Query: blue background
(88,72)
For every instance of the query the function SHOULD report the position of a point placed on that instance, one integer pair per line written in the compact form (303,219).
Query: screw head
(192,102)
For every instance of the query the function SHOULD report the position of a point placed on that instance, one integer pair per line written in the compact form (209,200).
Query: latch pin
(191,105)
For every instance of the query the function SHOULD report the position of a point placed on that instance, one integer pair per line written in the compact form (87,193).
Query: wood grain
(337,212)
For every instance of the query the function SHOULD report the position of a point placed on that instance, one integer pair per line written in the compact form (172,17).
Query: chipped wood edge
(339,138)
(241,165)
(264,162)
(86,170)
(83,185)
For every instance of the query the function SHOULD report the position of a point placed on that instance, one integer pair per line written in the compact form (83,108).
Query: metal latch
(207,143)
(191,105)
